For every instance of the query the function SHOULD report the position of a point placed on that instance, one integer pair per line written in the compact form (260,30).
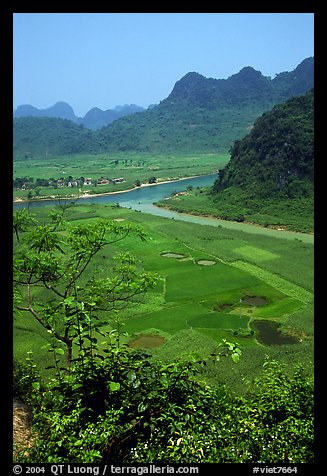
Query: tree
(52,280)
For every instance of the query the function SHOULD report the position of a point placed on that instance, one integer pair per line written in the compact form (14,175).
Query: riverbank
(237,223)
(247,227)
(144,197)
(103,194)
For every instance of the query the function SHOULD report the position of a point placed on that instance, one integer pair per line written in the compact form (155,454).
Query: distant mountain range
(94,119)
(206,114)
(199,115)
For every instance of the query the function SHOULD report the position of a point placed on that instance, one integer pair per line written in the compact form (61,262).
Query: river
(143,199)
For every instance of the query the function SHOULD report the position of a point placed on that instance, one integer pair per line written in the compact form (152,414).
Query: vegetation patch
(219,320)
(276,281)
(187,298)
(280,308)
(252,251)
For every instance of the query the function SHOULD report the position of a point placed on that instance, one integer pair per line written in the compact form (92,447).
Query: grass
(130,166)
(234,204)
(252,251)
(194,307)
(207,282)
(276,281)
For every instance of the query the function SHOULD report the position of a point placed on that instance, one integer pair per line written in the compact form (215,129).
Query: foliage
(25,378)
(55,257)
(127,408)
(276,157)
(118,405)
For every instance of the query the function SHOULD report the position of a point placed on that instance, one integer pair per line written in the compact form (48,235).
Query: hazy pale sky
(108,59)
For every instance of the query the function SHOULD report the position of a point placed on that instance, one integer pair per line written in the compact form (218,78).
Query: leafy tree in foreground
(51,262)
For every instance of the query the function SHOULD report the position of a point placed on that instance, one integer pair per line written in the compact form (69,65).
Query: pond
(206,262)
(254,301)
(148,341)
(268,333)
(173,255)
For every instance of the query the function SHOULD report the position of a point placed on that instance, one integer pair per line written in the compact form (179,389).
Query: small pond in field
(254,301)
(268,333)
(173,255)
(206,262)
(148,341)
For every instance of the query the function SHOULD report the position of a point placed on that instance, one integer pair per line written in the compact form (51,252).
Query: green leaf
(36,385)
(59,351)
(142,407)
(114,386)
(235,358)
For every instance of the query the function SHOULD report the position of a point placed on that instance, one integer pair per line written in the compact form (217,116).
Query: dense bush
(124,407)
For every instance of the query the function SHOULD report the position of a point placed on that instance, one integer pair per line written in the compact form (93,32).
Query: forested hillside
(269,177)
(46,136)
(276,157)
(200,115)
(206,114)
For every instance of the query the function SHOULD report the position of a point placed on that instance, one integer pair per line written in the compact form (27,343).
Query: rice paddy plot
(191,282)
(219,320)
(291,289)
(170,319)
(253,252)
(206,262)
(279,308)
(173,255)
(149,341)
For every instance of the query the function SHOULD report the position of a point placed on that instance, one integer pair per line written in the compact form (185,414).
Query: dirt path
(22,421)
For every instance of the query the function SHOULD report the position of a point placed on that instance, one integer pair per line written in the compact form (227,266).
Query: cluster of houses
(88,181)
(70,182)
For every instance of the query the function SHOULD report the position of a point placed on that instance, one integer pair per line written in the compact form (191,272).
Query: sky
(108,59)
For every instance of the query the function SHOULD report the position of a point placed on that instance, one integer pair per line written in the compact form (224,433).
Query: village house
(103,181)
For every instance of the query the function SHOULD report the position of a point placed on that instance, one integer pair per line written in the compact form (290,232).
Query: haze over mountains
(199,115)
(94,119)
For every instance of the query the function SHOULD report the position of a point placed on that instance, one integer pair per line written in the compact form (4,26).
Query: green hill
(269,177)
(47,136)
(205,114)
(276,158)
(199,115)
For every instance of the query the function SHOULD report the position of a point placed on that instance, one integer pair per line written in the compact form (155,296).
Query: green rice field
(195,306)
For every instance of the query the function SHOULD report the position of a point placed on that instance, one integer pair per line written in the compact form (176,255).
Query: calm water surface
(143,199)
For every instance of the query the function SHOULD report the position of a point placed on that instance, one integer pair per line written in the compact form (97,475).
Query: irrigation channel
(143,199)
